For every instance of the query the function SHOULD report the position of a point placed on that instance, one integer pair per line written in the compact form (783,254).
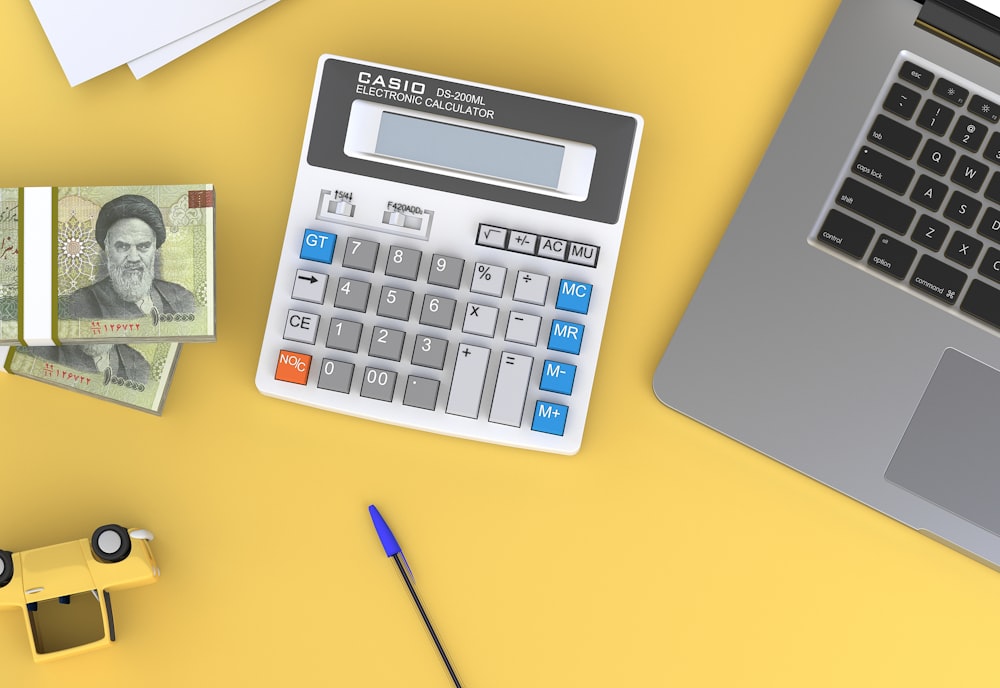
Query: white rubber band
(37,266)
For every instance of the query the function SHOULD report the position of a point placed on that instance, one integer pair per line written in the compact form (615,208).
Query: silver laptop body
(838,333)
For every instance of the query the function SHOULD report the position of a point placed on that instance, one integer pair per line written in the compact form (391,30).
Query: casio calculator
(449,256)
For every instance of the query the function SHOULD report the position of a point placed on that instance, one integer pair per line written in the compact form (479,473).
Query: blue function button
(565,337)
(318,246)
(557,377)
(549,418)
(574,296)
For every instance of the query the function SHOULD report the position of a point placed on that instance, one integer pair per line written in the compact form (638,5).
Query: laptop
(848,324)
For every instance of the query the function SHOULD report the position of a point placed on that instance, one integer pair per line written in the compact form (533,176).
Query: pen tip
(385,535)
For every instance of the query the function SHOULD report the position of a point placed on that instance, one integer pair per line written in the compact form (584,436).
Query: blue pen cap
(385,535)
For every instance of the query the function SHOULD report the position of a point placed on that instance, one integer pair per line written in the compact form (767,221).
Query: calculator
(449,255)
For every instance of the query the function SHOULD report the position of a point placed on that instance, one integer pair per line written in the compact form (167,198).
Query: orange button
(293,367)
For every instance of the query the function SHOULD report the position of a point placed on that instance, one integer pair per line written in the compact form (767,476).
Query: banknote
(8,265)
(136,374)
(112,264)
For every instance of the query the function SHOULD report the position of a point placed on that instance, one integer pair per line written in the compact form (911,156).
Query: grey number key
(386,343)
(403,262)
(446,271)
(395,303)
(421,392)
(344,335)
(352,294)
(378,384)
(361,254)
(335,376)
(437,311)
(429,352)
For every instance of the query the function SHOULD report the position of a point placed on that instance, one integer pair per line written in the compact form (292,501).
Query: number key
(378,384)
(352,294)
(968,133)
(361,254)
(403,263)
(395,303)
(446,271)
(437,311)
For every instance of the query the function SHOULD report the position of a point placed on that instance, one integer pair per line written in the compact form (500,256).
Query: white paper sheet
(152,61)
(90,38)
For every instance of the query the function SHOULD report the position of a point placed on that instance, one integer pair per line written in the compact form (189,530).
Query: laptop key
(936,157)
(935,117)
(986,109)
(928,192)
(962,209)
(883,170)
(970,173)
(892,256)
(983,302)
(963,249)
(902,100)
(892,135)
(938,279)
(846,234)
(990,266)
(916,75)
(951,91)
(930,232)
(968,133)
(876,206)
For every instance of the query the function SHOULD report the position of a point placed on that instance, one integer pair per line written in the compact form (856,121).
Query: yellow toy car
(64,590)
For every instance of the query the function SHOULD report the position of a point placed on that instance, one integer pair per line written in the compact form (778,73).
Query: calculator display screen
(475,151)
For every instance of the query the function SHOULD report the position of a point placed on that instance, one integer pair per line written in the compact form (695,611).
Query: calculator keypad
(486,349)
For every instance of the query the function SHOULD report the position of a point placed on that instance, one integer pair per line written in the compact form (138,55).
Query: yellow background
(661,555)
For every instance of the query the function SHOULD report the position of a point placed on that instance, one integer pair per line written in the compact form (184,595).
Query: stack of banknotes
(99,286)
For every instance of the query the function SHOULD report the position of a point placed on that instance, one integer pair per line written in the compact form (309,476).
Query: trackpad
(950,453)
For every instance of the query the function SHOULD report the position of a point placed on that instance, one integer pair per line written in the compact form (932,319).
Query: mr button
(293,367)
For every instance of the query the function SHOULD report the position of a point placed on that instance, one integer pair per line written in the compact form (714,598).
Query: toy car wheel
(111,543)
(6,567)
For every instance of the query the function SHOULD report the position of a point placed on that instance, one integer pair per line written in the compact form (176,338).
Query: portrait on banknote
(135,263)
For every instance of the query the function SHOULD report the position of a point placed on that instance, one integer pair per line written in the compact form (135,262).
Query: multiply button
(574,296)
(318,246)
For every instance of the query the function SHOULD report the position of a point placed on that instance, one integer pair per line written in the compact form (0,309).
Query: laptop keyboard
(918,201)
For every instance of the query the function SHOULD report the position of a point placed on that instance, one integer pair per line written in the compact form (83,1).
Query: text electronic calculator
(449,256)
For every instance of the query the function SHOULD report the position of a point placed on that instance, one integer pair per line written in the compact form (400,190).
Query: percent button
(488,279)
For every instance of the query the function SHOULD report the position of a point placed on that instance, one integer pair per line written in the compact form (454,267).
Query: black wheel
(6,567)
(111,543)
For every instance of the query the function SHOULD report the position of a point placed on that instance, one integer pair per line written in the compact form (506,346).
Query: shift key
(875,205)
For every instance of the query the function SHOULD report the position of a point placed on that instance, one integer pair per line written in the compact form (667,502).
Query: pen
(392,549)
